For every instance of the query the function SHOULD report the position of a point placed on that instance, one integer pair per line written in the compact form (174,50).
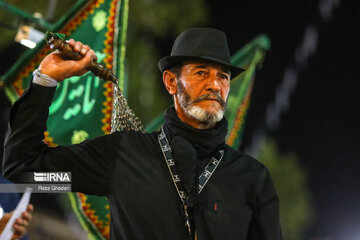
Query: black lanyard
(203,179)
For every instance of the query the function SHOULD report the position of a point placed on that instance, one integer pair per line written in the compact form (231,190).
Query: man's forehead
(195,64)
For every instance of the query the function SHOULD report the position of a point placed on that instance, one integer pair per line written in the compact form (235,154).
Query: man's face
(202,90)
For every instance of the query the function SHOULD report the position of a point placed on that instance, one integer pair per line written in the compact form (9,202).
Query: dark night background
(322,124)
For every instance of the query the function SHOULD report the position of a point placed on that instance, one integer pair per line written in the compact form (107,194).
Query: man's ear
(169,80)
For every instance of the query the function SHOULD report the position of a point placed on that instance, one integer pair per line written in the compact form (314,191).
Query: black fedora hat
(200,43)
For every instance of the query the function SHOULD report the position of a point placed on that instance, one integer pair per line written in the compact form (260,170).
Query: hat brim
(171,61)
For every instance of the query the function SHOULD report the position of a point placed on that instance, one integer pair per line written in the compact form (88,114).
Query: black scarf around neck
(205,141)
(192,148)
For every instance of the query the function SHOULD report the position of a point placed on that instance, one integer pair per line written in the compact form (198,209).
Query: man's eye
(224,76)
(201,73)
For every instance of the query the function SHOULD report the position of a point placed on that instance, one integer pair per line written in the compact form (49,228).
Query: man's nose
(213,83)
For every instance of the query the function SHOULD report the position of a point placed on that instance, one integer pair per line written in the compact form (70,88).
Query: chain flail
(123,118)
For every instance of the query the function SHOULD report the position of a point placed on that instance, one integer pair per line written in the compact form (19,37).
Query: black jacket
(238,202)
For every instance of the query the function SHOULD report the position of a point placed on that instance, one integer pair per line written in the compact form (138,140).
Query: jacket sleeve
(265,223)
(90,162)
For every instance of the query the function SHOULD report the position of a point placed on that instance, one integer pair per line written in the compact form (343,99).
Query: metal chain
(123,118)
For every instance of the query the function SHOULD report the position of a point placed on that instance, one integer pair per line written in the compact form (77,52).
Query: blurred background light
(28,36)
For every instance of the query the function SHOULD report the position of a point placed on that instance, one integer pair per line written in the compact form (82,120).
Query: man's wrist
(43,79)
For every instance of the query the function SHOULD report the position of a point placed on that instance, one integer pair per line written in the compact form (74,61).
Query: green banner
(250,58)
(84,104)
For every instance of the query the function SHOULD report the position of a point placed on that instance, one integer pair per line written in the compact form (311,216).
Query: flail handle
(68,53)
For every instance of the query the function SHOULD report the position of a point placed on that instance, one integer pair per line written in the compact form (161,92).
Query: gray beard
(198,113)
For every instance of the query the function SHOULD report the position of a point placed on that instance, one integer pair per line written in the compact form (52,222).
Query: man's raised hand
(56,67)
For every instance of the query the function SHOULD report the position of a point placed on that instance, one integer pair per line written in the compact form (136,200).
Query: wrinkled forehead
(201,63)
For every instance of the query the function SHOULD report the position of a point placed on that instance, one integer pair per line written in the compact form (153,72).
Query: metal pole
(24,15)
(51,10)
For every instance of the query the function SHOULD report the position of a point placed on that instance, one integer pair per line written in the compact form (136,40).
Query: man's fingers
(30,208)
(26,216)
(90,56)
(21,222)
(80,67)
(78,46)
(93,56)
(19,231)
(84,50)
(71,42)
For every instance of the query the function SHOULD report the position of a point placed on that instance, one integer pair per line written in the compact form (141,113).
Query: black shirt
(238,202)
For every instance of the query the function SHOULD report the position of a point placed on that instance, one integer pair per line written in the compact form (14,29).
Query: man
(182,182)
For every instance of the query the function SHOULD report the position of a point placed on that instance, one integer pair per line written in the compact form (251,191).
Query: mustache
(210,96)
